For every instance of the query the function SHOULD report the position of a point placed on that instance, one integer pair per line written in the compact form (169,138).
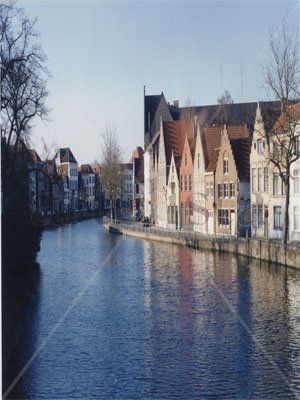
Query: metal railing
(185,234)
(172,233)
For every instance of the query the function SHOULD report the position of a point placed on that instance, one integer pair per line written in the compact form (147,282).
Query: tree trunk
(111,209)
(285,235)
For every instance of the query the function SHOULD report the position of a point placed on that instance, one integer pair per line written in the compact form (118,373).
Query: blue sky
(100,55)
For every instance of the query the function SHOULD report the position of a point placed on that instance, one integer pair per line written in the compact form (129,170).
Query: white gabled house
(173,190)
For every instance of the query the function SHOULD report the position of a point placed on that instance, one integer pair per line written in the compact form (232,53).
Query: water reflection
(157,321)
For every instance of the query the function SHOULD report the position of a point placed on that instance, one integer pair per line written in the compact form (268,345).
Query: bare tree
(281,80)
(23,74)
(48,150)
(112,176)
(189,112)
(223,101)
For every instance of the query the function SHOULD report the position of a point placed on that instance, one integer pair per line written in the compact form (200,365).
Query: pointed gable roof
(34,156)
(66,155)
(175,133)
(211,140)
(283,120)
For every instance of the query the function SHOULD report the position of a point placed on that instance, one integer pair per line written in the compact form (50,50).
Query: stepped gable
(211,141)
(175,133)
(241,149)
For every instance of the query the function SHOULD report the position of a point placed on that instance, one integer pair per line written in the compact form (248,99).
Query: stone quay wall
(266,250)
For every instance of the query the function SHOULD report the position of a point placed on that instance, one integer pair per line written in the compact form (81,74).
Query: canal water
(112,317)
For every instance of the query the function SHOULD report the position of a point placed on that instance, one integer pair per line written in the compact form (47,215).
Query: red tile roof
(211,141)
(175,133)
(284,119)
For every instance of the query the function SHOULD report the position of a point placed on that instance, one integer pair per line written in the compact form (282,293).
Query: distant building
(86,184)
(127,189)
(138,181)
(67,167)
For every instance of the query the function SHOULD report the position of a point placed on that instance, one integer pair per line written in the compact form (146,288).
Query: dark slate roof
(237,113)
(151,104)
(66,156)
(241,149)
(156,108)
(86,169)
(138,152)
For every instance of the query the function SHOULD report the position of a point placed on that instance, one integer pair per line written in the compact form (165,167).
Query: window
(277,217)
(181,183)
(232,190)
(253,179)
(190,183)
(275,183)
(223,217)
(297,218)
(185,159)
(137,189)
(225,166)
(259,146)
(260,216)
(225,189)
(266,179)
(172,187)
(185,183)
(296,182)
(260,179)
(254,216)
(211,189)
(220,190)
(198,160)
(207,190)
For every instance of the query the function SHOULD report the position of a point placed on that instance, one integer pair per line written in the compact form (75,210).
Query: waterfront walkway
(267,250)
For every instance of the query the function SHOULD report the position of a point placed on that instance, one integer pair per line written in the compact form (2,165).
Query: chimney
(176,103)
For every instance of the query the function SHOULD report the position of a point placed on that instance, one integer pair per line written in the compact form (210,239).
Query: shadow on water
(20,300)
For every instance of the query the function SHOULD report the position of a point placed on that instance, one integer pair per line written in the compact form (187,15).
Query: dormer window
(185,159)
(259,146)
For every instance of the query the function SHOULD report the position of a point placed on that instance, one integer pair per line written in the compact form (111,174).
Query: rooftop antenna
(241,80)
(221,76)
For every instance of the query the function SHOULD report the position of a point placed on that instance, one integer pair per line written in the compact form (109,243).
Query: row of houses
(207,169)
(60,185)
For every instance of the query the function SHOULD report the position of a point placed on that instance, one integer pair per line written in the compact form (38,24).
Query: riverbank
(266,250)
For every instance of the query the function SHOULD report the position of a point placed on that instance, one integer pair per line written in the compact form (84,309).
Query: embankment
(265,250)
